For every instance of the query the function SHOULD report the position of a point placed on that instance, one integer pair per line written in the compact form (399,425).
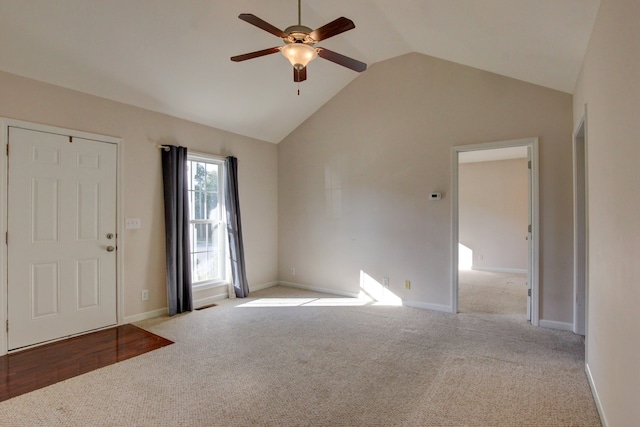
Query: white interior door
(61,236)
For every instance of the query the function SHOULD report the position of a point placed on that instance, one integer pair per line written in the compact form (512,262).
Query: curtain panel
(176,214)
(234,229)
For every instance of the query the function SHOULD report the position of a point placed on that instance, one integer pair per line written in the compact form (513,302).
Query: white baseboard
(413,304)
(197,303)
(263,286)
(596,397)
(501,270)
(321,290)
(147,315)
(427,306)
(552,324)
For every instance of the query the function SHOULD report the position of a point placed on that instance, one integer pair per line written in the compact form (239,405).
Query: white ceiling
(172,56)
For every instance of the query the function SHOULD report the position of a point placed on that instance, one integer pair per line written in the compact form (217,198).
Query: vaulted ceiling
(172,56)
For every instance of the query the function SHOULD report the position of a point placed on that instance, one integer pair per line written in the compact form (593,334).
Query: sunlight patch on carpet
(304,302)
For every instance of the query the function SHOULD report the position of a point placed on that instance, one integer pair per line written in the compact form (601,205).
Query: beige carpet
(485,292)
(286,357)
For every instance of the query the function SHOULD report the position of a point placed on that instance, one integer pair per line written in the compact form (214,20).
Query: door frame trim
(5,123)
(581,291)
(535,218)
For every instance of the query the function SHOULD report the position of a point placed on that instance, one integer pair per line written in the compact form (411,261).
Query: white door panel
(61,208)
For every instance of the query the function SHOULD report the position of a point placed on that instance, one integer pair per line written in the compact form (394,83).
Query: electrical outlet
(293,271)
(407,284)
(385,282)
(145,294)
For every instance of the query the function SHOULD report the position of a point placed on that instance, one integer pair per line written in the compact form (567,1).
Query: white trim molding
(147,315)
(262,286)
(552,324)
(405,303)
(321,290)
(596,396)
(427,306)
(581,229)
(197,303)
(501,270)
(532,144)
(3,247)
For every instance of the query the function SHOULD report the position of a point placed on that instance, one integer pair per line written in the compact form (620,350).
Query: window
(206,225)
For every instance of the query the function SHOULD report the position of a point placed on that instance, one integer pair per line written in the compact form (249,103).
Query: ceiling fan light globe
(299,54)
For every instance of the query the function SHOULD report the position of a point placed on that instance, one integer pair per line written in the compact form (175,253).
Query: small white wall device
(435,196)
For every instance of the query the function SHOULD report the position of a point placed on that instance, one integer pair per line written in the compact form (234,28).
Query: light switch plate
(132,223)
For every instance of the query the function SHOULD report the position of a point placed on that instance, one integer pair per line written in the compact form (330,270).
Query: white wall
(493,213)
(354,179)
(144,265)
(610,86)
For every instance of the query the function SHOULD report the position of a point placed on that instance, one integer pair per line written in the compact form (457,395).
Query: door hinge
(529,228)
(529,164)
(529,292)
(6,237)
(7,325)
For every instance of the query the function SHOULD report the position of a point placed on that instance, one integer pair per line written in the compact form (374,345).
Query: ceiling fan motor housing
(299,34)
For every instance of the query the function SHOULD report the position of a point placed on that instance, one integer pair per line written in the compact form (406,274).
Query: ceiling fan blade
(333,28)
(339,59)
(256,54)
(254,20)
(299,75)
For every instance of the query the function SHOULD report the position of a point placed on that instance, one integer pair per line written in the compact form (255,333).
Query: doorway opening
(495,200)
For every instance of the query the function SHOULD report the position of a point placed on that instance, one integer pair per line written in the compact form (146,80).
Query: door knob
(109,235)
(110,249)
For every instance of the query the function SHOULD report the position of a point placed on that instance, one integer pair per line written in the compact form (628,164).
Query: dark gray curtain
(176,219)
(234,228)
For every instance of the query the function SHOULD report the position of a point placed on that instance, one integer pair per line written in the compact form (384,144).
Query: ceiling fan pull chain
(298,88)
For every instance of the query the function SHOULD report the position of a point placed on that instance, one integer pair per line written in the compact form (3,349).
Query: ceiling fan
(299,44)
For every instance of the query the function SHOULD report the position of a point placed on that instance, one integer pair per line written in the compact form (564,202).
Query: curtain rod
(197,153)
(207,155)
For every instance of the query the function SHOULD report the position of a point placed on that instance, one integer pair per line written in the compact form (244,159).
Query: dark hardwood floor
(41,366)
